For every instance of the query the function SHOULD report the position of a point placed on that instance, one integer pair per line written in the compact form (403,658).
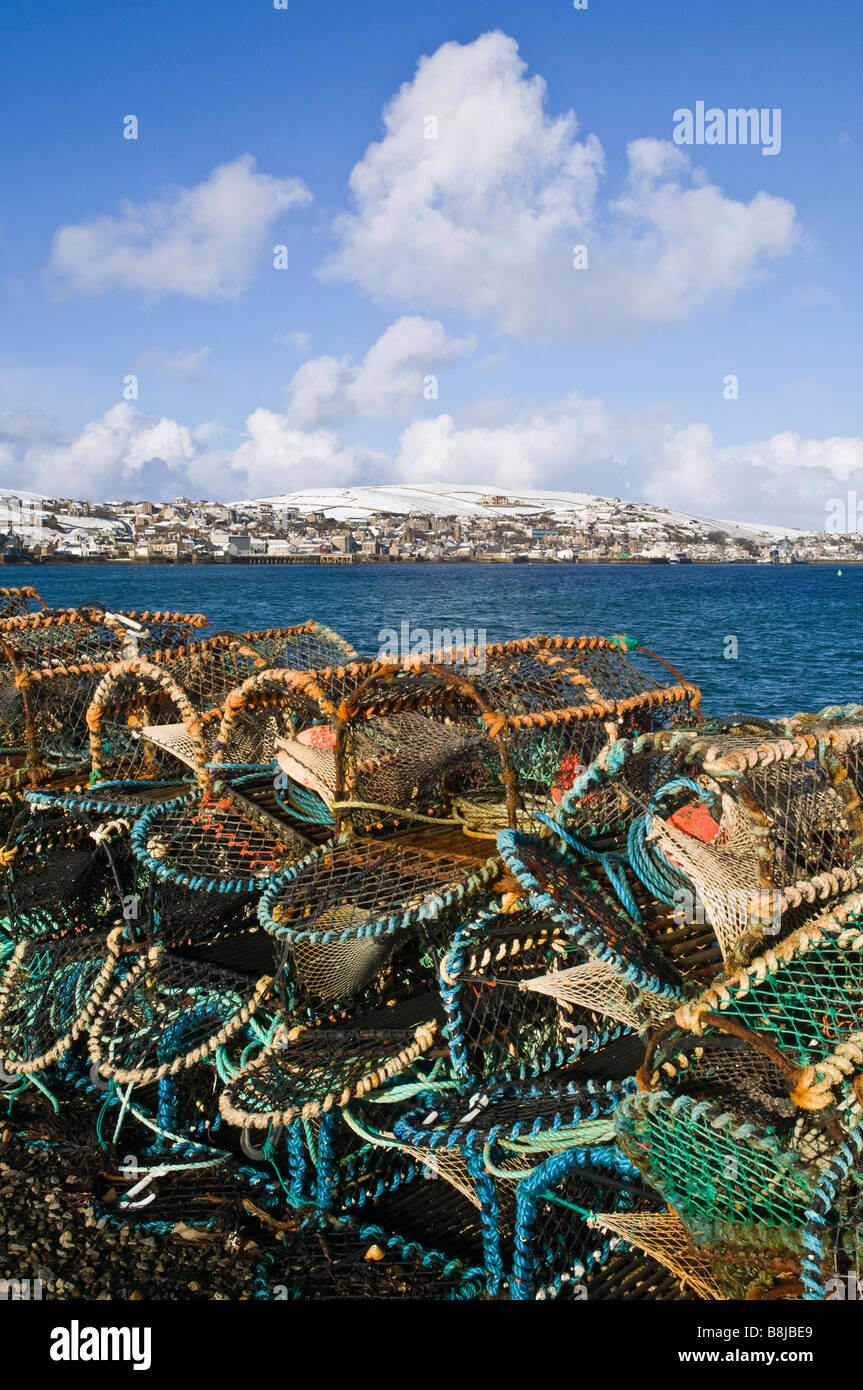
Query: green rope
(589,1132)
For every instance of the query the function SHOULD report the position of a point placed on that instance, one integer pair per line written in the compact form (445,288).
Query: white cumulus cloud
(486,215)
(204,242)
(576,444)
(388,381)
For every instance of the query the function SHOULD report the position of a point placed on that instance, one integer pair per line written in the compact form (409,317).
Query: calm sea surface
(798,633)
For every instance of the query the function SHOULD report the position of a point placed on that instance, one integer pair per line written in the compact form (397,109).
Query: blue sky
(138,257)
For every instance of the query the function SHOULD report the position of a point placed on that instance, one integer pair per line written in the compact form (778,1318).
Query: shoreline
(351,562)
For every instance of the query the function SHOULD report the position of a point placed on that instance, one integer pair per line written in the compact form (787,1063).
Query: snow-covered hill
(441,499)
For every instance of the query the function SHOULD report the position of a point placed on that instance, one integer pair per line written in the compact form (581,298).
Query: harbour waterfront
(766,639)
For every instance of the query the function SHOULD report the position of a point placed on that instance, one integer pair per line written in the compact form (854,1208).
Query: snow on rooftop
(468,501)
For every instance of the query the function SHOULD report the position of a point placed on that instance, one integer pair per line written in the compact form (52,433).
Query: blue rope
(612,863)
(656,872)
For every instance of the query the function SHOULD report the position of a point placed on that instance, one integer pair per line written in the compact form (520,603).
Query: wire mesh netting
(219,842)
(494,973)
(496,1028)
(345,910)
(740,829)
(354,1260)
(300,1076)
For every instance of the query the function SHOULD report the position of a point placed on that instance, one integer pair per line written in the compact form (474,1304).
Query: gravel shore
(50,1231)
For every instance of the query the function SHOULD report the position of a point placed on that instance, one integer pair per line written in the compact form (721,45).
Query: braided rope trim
(826,1194)
(601,709)
(589,1100)
(439,663)
(190,619)
(84,1020)
(423,1038)
(89,799)
(471,1277)
(163,656)
(25,592)
(139,666)
(509,842)
(830,927)
(430,907)
(310,628)
(82,617)
(666,1107)
(111,1008)
(815,1084)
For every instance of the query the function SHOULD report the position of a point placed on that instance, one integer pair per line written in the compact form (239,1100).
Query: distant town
(488,528)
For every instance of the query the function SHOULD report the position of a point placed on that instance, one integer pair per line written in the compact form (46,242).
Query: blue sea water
(797,628)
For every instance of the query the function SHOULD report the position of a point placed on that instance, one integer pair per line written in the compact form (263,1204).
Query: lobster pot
(57,700)
(721,1068)
(794,1011)
(359,1258)
(20,602)
(412,743)
(742,829)
(40,641)
(165,707)
(305,1072)
(91,633)
(289,1101)
(61,876)
(565,701)
(142,727)
(728,1181)
(564,887)
(220,929)
(308,646)
(838,733)
(221,842)
(557,1244)
(774,1210)
(51,665)
(50,994)
(496,1029)
(264,711)
(208,671)
(207,1196)
(344,912)
(173,1013)
(484,1146)
(287,717)
(492,737)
